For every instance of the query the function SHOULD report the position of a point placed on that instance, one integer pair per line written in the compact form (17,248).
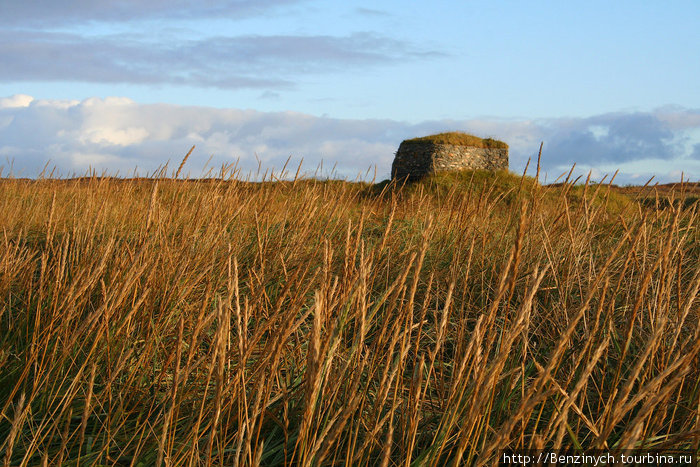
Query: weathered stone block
(419,157)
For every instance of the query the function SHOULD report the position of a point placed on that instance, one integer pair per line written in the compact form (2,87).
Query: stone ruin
(419,157)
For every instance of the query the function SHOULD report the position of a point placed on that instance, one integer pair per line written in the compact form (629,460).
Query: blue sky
(122,85)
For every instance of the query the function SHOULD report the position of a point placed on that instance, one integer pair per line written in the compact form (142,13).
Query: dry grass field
(307,322)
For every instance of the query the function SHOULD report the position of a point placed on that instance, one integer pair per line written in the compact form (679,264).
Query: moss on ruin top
(458,138)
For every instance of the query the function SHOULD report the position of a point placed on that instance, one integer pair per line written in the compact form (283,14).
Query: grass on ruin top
(459,138)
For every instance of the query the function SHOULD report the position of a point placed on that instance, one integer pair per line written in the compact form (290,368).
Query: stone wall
(416,159)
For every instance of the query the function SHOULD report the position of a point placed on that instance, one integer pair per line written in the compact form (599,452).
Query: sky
(124,87)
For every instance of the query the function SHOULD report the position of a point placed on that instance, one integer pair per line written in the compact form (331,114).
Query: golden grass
(166,322)
(459,138)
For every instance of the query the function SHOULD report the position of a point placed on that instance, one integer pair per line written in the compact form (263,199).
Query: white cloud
(114,136)
(119,135)
(108,102)
(18,100)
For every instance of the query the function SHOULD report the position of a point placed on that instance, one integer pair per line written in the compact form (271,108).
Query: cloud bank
(42,13)
(49,42)
(222,62)
(118,135)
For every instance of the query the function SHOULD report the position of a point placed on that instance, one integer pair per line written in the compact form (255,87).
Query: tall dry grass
(170,322)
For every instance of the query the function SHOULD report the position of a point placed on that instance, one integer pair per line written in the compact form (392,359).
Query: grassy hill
(152,322)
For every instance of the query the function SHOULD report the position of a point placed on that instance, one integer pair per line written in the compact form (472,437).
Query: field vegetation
(461,139)
(309,322)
